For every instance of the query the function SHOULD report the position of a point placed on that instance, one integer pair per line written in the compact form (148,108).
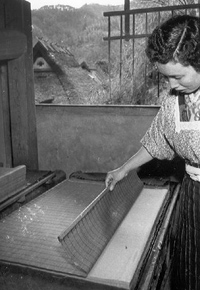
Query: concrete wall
(89,138)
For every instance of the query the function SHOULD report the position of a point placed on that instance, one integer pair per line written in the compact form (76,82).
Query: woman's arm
(140,158)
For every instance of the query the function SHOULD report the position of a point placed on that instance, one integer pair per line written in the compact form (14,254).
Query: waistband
(193,172)
(193,164)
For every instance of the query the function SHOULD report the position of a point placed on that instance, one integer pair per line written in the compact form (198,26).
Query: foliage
(78,29)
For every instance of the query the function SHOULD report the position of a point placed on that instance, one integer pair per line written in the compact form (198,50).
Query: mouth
(177,92)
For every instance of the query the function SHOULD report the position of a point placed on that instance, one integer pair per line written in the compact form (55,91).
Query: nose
(173,83)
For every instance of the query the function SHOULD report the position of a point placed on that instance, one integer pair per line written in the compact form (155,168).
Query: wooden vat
(29,244)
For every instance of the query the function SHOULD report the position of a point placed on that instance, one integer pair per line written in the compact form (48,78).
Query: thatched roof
(60,78)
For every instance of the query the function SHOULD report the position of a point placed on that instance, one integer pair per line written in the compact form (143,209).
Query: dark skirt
(186,236)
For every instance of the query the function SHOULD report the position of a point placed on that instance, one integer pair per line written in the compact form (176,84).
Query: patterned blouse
(175,130)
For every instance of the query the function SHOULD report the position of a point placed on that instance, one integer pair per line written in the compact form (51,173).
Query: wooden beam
(21,88)
(17,88)
(32,161)
(5,130)
(13,44)
(127,18)
(11,181)
(5,137)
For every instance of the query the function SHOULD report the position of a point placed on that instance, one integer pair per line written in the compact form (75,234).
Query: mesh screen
(86,238)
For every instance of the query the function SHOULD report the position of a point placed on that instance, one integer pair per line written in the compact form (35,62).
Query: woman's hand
(140,158)
(114,176)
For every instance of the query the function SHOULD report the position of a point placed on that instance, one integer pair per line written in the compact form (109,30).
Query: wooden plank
(21,89)
(127,17)
(32,161)
(11,180)
(18,110)
(13,44)
(20,194)
(149,273)
(4,107)
(5,131)
(17,89)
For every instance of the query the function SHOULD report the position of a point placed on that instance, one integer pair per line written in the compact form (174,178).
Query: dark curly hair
(178,40)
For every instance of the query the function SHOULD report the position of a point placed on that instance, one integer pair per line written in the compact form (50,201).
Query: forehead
(172,69)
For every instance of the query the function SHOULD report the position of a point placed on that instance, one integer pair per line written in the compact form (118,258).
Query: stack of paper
(11,181)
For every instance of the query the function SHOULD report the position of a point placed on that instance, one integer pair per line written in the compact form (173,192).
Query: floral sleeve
(155,140)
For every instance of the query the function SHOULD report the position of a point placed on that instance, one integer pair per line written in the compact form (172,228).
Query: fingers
(110,182)
(112,185)
(113,177)
(109,179)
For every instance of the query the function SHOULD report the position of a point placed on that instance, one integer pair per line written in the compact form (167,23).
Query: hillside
(80,30)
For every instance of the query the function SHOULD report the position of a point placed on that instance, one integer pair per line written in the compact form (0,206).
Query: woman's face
(184,79)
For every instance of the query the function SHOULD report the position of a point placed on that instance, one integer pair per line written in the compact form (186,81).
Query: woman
(174,47)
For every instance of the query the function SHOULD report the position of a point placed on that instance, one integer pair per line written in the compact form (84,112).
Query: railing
(132,79)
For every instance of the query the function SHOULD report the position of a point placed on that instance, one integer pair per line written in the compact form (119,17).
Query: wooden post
(32,161)
(5,131)
(17,16)
(127,18)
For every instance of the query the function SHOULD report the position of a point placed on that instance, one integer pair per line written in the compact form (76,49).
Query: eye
(175,77)
(164,77)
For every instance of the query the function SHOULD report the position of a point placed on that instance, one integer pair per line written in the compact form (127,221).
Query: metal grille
(132,79)
(86,238)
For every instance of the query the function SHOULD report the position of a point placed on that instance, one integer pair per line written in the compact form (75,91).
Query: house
(59,79)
